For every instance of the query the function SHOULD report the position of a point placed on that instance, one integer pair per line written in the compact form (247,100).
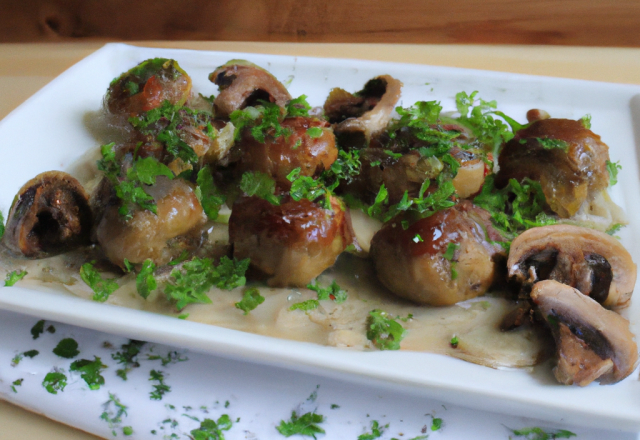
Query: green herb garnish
(212,430)
(13,277)
(90,371)
(159,389)
(16,383)
(37,329)
(67,348)
(306,424)
(540,434)
(261,185)
(54,382)
(613,168)
(208,193)
(145,281)
(128,357)
(384,331)
(102,288)
(334,292)
(305,306)
(376,431)
(251,299)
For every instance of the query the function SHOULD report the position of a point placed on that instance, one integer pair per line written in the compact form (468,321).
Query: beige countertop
(25,68)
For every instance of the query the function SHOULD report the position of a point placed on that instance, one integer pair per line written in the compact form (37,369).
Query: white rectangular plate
(47,132)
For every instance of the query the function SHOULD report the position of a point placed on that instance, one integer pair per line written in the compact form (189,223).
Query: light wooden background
(557,22)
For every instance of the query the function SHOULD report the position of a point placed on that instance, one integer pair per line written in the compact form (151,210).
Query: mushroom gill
(50,215)
(591,261)
(592,343)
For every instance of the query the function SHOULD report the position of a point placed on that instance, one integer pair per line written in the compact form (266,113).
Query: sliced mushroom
(592,343)
(50,215)
(159,237)
(567,159)
(591,261)
(360,116)
(291,243)
(243,84)
(147,86)
(439,260)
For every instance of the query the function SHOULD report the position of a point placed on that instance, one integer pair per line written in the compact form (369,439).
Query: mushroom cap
(147,86)
(593,343)
(242,84)
(417,269)
(571,257)
(50,215)
(378,97)
(567,159)
(291,243)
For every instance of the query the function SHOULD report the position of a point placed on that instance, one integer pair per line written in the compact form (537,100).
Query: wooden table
(25,68)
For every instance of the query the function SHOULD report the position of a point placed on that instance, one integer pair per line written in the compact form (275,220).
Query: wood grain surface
(557,22)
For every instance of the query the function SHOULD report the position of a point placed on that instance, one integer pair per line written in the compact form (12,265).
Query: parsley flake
(159,389)
(306,424)
(67,348)
(90,371)
(16,383)
(145,281)
(54,382)
(314,132)
(250,300)
(261,185)
(128,357)
(540,434)
(37,329)
(102,288)
(613,168)
(334,292)
(13,277)
(212,430)
(113,412)
(550,144)
(305,306)
(376,431)
(208,193)
(384,331)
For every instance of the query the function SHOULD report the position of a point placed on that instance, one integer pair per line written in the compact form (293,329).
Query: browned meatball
(279,156)
(438,260)
(292,243)
(147,86)
(567,159)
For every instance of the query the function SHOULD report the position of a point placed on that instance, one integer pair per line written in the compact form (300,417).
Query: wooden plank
(559,22)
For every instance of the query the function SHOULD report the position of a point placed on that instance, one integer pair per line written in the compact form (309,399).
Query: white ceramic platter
(47,132)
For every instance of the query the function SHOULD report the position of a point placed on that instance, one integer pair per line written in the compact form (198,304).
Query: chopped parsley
(305,306)
(314,132)
(345,169)
(586,121)
(540,434)
(172,357)
(16,383)
(159,389)
(67,348)
(198,276)
(260,185)
(298,107)
(127,430)
(306,424)
(334,292)
(54,382)
(614,229)
(251,299)
(418,239)
(208,193)
(13,277)
(113,412)
(102,288)
(128,357)
(454,342)
(436,424)
(384,331)
(212,430)
(1,225)
(449,255)
(613,168)
(90,371)
(37,329)
(305,187)
(18,358)
(145,281)
(376,431)
(550,144)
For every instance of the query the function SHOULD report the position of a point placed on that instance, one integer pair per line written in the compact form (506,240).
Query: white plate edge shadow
(468,389)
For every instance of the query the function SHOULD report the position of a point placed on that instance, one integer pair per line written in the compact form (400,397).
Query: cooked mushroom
(360,116)
(279,156)
(569,161)
(50,215)
(591,261)
(243,84)
(592,343)
(147,86)
(159,237)
(291,243)
(438,260)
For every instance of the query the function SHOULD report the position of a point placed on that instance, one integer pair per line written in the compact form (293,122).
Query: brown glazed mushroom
(291,243)
(591,261)
(147,86)
(414,263)
(50,215)
(592,343)
(159,237)
(243,84)
(279,156)
(360,116)
(567,159)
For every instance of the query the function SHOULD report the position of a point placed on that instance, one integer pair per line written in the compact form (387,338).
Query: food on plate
(592,343)
(49,215)
(591,261)
(357,223)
